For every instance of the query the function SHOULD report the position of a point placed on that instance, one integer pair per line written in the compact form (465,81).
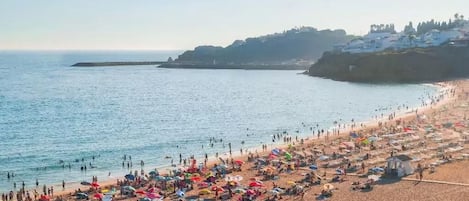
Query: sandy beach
(434,136)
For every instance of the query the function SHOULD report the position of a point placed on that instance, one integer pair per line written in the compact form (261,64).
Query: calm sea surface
(50,112)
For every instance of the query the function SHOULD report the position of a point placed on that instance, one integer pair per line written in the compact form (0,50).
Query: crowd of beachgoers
(355,156)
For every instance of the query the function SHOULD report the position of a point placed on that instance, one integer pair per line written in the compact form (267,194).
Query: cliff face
(409,66)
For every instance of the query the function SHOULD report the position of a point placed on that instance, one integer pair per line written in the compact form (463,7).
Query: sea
(55,119)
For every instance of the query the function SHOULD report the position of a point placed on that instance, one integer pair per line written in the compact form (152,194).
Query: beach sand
(450,109)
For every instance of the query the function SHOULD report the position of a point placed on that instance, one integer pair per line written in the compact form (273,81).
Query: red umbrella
(95,184)
(45,197)
(140,192)
(255,184)
(153,195)
(217,188)
(151,190)
(239,162)
(250,192)
(196,179)
(98,196)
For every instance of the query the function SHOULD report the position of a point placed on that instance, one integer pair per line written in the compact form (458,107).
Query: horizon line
(93,49)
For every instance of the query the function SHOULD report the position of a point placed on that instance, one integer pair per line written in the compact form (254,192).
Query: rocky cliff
(407,66)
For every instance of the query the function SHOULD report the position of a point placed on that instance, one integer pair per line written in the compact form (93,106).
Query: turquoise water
(51,112)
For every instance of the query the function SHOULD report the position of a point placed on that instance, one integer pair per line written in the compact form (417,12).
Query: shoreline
(308,139)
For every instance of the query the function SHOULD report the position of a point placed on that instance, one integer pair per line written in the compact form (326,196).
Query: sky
(185,24)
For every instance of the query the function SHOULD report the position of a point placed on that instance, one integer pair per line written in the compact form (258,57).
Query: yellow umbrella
(328,187)
(291,182)
(104,190)
(204,192)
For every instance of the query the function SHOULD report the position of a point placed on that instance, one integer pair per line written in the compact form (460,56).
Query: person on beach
(63,184)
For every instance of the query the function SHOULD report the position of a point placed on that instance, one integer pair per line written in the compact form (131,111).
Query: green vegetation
(305,43)
(407,66)
(424,27)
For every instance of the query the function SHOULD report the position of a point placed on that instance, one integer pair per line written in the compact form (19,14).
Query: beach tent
(399,165)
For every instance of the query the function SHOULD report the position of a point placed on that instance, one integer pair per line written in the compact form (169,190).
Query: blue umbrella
(313,167)
(160,178)
(180,193)
(130,177)
(377,169)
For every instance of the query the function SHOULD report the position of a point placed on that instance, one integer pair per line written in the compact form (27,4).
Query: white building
(376,42)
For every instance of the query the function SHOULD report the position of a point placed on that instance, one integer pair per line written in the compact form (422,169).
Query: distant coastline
(236,66)
(121,63)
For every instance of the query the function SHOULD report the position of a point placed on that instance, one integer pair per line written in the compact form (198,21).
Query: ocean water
(50,112)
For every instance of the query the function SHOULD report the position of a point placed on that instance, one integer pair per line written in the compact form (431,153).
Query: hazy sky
(178,24)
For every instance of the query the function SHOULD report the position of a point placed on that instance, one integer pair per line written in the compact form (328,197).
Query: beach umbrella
(250,192)
(323,157)
(153,173)
(85,183)
(130,188)
(144,199)
(180,193)
(160,178)
(374,177)
(291,182)
(233,183)
(202,185)
(328,186)
(238,178)
(168,178)
(104,190)
(211,179)
(240,191)
(287,156)
(313,167)
(255,184)
(239,162)
(217,188)
(365,142)
(153,195)
(339,171)
(45,197)
(204,192)
(130,177)
(141,192)
(151,190)
(373,139)
(272,156)
(276,151)
(278,190)
(98,196)
(354,135)
(95,184)
(377,169)
(196,179)
(274,192)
